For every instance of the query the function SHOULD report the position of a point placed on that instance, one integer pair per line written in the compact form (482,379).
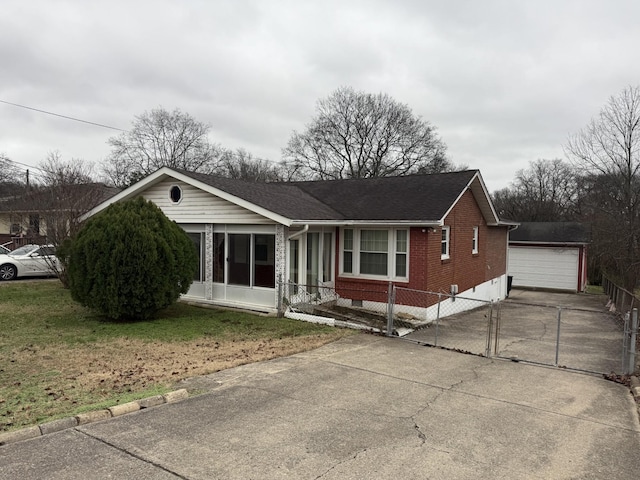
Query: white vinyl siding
(375,253)
(198,206)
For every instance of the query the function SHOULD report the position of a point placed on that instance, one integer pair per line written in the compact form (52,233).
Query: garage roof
(552,232)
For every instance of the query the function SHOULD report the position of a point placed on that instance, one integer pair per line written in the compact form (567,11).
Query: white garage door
(544,267)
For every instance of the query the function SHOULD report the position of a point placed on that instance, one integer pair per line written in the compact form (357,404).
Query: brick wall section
(497,238)
(463,267)
(426,269)
(362,289)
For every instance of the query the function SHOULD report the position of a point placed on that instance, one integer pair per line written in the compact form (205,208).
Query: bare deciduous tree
(243,165)
(52,207)
(10,175)
(545,192)
(608,150)
(161,138)
(358,135)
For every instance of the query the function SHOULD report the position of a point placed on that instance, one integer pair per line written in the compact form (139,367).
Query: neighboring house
(37,215)
(424,232)
(551,255)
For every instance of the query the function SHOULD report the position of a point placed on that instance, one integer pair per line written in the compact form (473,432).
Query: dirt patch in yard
(60,378)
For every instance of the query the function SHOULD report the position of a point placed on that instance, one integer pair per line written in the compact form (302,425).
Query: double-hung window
(474,248)
(402,242)
(375,253)
(445,243)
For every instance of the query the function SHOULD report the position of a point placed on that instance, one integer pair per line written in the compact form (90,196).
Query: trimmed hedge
(130,261)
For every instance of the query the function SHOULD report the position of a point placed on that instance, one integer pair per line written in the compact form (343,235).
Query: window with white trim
(347,250)
(375,253)
(444,243)
(402,243)
(474,248)
(374,248)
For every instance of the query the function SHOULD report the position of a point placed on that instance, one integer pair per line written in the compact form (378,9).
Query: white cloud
(505,82)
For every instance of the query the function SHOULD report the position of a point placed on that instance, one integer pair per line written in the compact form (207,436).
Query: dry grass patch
(59,359)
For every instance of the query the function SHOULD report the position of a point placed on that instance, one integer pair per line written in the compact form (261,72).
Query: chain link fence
(354,307)
(579,339)
(568,337)
(620,300)
(442,320)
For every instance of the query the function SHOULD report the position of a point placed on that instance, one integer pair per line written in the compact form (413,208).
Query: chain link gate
(566,337)
(441,320)
(575,338)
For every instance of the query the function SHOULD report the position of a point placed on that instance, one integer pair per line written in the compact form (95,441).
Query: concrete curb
(90,417)
(635,388)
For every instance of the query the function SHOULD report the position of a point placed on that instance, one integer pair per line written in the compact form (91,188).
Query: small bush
(130,261)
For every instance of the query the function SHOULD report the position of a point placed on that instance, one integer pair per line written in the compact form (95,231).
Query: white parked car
(4,250)
(29,261)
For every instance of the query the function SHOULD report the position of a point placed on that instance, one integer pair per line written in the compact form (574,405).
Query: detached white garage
(549,255)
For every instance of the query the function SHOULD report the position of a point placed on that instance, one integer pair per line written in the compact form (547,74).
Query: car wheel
(8,272)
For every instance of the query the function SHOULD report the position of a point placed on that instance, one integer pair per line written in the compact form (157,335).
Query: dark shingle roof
(88,195)
(552,232)
(406,198)
(285,199)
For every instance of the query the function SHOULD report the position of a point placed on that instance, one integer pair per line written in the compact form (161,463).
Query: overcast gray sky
(505,82)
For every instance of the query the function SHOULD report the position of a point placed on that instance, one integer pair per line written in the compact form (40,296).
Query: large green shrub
(130,260)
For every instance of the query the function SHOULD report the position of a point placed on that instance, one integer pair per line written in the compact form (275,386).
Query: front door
(244,265)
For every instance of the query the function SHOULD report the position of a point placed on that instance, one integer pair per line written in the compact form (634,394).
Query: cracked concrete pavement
(363,407)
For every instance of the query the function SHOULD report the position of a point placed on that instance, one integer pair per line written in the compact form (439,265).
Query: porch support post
(208,261)
(280,261)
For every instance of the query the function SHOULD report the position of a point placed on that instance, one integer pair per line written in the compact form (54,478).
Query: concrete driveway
(363,407)
(588,338)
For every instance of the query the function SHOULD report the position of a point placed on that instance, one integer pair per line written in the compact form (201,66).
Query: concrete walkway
(363,407)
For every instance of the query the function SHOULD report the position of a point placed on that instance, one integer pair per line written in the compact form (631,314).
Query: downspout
(297,234)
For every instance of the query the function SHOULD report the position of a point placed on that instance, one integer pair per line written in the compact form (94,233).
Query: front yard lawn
(58,359)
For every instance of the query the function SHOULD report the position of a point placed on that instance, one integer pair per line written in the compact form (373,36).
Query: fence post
(487,351)
(496,347)
(626,336)
(632,346)
(435,343)
(558,335)
(390,302)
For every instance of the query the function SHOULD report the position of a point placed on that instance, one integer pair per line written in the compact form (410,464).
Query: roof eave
(543,242)
(340,223)
(166,172)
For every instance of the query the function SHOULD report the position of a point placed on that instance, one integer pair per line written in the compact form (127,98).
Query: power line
(24,165)
(62,116)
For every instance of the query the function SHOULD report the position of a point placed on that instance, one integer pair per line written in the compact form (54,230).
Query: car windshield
(4,250)
(26,250)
